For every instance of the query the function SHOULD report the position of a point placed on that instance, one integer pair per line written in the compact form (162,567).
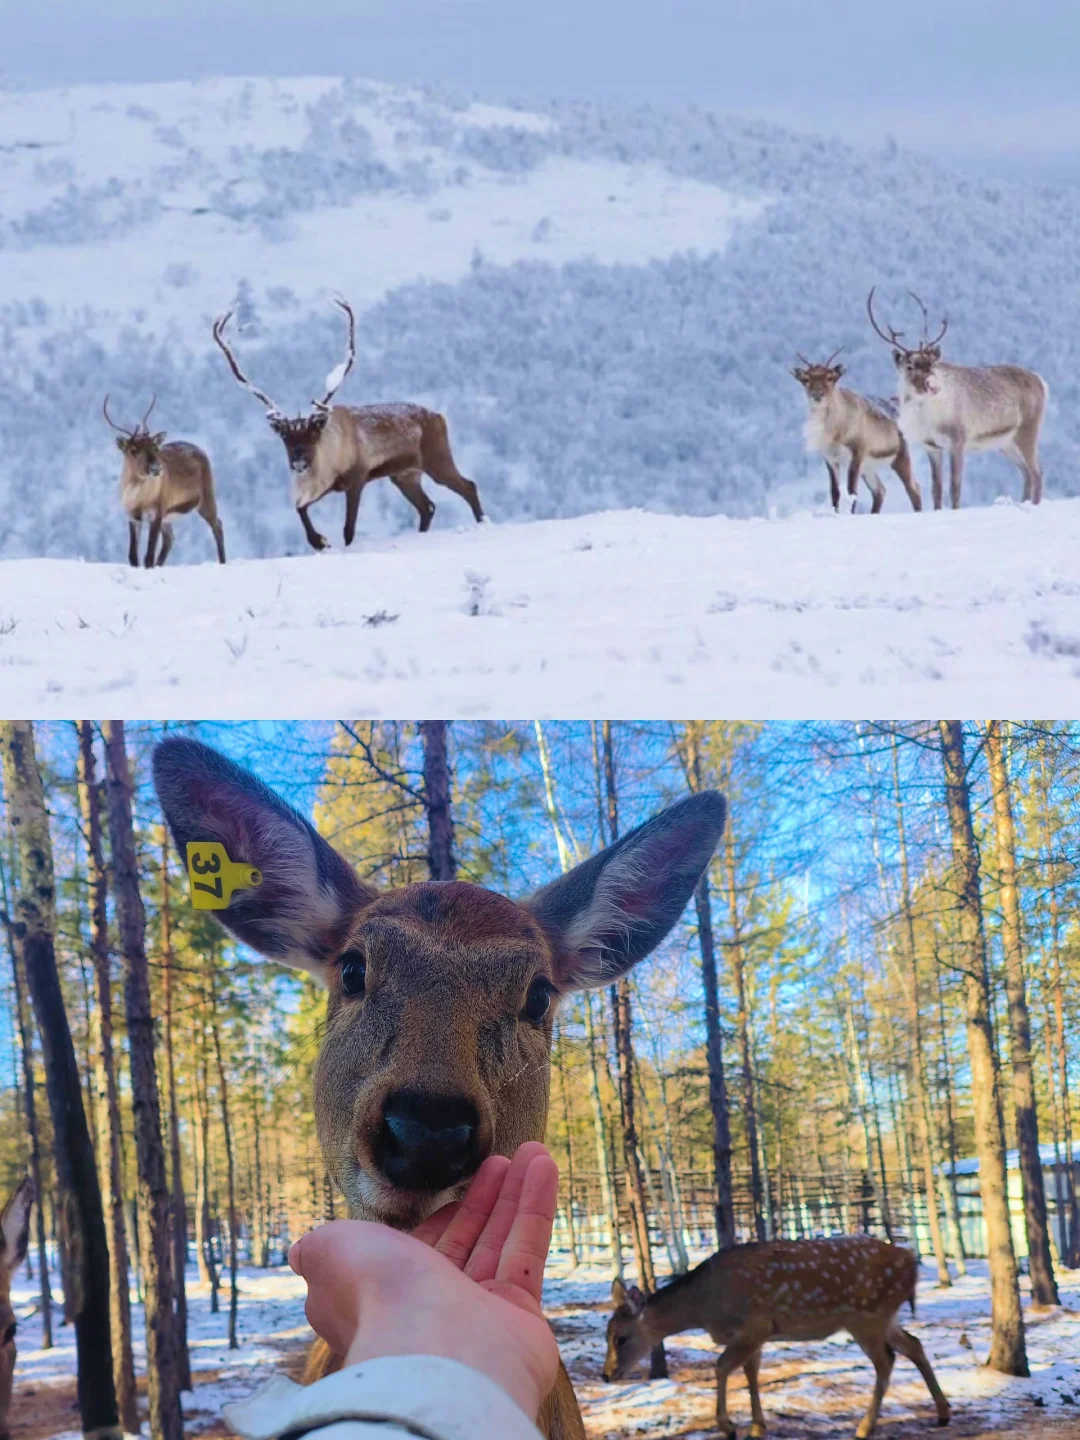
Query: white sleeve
(396,1395)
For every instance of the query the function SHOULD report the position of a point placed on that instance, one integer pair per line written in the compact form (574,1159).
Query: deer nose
(427,1142)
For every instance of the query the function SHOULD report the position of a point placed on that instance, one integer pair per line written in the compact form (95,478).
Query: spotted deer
(160,479)
(14,1238)
(950,409)
(341,448)
(440,996)
(853,434)
(779,1290)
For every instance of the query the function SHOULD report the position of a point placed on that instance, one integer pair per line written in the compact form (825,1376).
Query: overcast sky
(993,77)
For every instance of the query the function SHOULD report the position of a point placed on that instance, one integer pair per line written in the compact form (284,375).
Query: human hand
(465,1285)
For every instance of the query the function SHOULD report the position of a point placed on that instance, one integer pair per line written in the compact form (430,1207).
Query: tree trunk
(1043,1284)
(441,862)
(737,959)
(724,1205)
(26,1052)
(1007,1347)
(178,1202)
(920,1096)
(230,1165)
(603,1146)
(204,1240)
(163,1381)
(571,1230)
(108,1100)
(622,1021)
(35,929)
(952,1202)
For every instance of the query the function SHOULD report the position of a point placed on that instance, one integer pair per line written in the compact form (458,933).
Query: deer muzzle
(428,1142)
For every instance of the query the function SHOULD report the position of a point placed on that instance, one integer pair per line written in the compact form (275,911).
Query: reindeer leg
(936,476)
(219,540)
(956,474)
(834,486)
(751,1367)
(134,526)
(906,1344)
(883,1356)
(877,489)
(410,486)
(352,505)
(903,467)
(166,542)
(151,542)
(853,473)
(315,540)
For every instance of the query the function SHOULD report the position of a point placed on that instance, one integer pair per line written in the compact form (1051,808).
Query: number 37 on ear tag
(214,877)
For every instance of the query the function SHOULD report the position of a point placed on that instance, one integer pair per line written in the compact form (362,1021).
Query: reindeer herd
(333,448)
(946,409)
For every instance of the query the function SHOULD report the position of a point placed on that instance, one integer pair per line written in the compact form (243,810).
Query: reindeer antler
(894,336)
(928,344)
(153,402)
(122,429)
(838,351)
(336,378)
(219,336)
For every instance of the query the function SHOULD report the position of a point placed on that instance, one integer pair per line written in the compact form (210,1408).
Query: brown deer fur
(440,997)
(848,431)
(780,1290)
(14,1238)
(342,448)
(159,479)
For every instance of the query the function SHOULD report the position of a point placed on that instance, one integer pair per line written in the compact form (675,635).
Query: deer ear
(609,913)
(618,1291)
(839,370)
(897,358)
(301,913)
(15,1226)
(635,1299)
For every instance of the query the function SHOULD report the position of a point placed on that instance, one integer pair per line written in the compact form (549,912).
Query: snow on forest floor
(624,613)
(816,1389)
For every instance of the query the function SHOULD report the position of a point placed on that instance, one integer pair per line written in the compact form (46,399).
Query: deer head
(628,1338)
(300,434)
(440,997)
(14,1238)
(139,446)
(818,381)
(917,365)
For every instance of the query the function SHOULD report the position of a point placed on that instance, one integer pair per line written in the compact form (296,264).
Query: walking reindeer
(950,409)
(161,479)
(852,433)
(340,447)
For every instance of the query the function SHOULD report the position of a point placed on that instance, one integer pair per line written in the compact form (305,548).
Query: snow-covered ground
(625,614)
(811,1389)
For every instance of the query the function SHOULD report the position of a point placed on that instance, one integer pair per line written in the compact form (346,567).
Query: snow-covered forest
(604,301)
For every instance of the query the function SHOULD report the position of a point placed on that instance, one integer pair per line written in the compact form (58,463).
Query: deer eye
(9,1333)
(538,1001)
(353,972)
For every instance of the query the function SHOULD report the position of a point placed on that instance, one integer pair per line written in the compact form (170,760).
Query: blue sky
(988,79)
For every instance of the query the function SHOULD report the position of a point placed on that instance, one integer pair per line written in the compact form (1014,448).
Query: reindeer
(949,409)
(847,429)
(440,997)
(159,480)
(342,447)
(779,1290)
(14,1238)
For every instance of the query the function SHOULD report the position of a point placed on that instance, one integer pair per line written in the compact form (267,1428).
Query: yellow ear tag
(214,877)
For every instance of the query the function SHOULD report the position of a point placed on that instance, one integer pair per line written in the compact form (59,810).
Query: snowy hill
(623,614)
(603,301)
